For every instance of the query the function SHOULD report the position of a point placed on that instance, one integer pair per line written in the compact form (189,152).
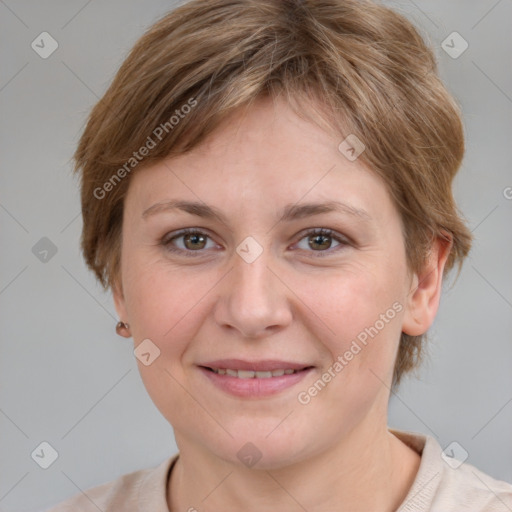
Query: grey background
(68,379)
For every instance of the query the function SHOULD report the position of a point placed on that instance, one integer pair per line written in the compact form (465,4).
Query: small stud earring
(122,329)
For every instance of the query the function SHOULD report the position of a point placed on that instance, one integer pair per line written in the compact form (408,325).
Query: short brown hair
(364,66)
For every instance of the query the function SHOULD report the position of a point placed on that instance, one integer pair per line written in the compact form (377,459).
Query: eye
(320,241)
(193,241)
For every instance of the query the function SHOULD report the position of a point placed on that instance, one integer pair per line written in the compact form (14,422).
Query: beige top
(439,486)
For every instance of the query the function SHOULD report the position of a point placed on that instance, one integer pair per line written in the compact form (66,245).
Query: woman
(266,189)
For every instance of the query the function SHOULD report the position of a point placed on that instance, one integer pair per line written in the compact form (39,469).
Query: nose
(253,299)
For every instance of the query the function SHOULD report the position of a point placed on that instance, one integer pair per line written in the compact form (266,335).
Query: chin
(256,446)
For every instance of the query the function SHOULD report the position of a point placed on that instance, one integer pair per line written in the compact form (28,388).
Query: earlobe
(425,292)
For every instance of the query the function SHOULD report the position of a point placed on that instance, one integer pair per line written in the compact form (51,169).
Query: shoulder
(130,492)
(475,490)
(445,484)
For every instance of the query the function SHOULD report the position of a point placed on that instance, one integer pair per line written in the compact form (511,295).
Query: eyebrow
(290,212)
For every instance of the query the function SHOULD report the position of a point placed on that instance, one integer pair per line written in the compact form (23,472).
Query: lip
(254,387)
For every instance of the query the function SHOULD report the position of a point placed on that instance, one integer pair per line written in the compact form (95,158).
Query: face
(252,289)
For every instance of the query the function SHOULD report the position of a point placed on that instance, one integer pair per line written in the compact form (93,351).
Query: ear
(425,292)
(119,302)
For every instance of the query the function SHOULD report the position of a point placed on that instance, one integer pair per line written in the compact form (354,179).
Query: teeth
(245,374)
(250,374)
(263,375)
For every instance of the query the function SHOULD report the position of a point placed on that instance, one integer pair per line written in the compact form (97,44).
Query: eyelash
(166,241)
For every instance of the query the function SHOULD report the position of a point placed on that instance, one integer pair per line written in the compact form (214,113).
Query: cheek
(164,302)
(362,310)
(355,300)
(166,306)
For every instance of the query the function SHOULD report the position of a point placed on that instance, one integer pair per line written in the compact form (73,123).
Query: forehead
(260,158)
(269,128)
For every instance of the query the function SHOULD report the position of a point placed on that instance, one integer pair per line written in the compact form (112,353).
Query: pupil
(194,238)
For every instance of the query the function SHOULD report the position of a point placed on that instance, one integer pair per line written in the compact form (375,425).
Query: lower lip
(255,387)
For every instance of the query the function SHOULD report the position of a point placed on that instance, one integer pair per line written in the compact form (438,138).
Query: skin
(335,453)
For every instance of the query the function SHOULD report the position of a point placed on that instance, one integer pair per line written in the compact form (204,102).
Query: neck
(371,469)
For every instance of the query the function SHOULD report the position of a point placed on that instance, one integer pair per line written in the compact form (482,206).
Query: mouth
(254,379)
(251,374)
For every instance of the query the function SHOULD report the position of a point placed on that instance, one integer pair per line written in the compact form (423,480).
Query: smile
(254,379)
(250,374)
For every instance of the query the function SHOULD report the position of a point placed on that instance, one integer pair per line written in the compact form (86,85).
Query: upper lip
(257,366)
